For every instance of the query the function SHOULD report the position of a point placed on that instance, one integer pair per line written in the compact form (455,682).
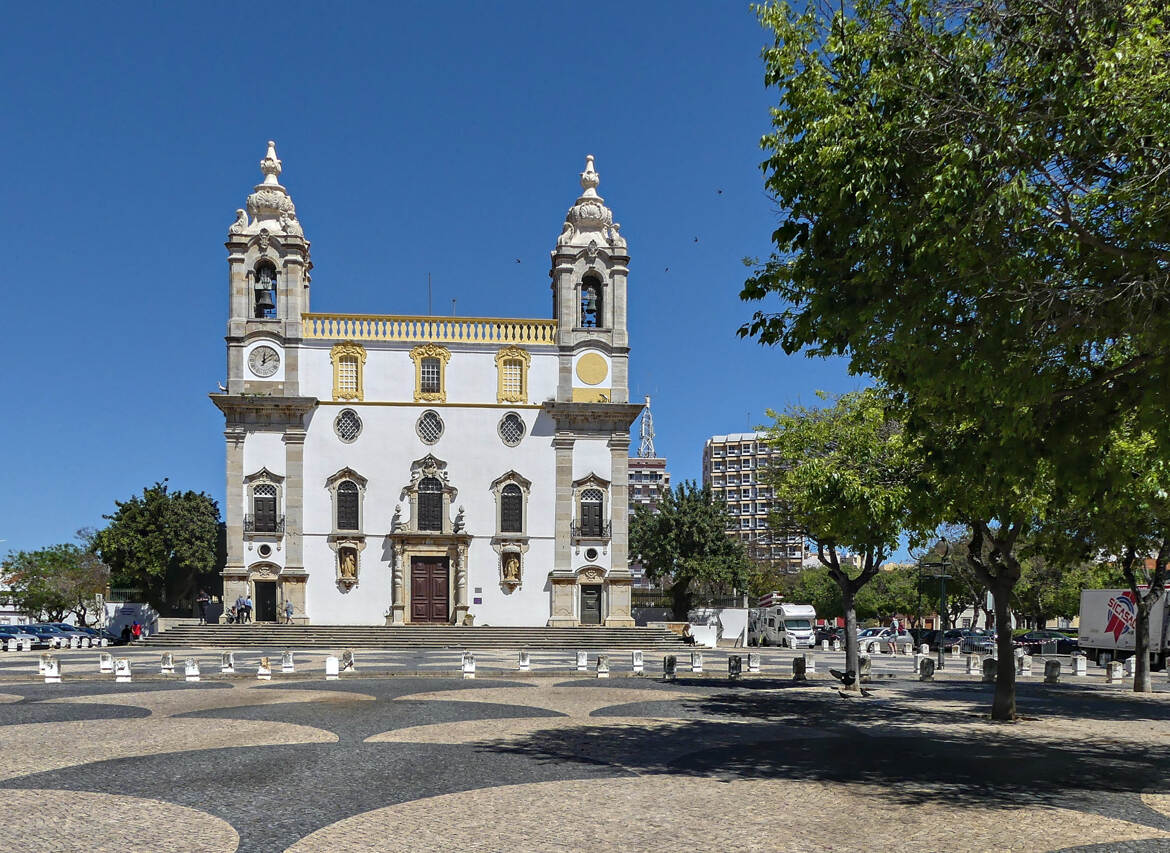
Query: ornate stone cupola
(269,264)
(589,271)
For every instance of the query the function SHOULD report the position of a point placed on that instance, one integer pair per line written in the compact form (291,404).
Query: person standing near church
(288,611)
(203,599)
(248,609)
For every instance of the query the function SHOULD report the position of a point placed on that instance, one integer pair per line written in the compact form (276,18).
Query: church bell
(264,303)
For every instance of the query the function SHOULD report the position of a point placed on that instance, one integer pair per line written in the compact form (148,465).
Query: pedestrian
(248,609)
(126,634)
(688,637)
(136,631)
(202,600)
(894,630)
(288,611)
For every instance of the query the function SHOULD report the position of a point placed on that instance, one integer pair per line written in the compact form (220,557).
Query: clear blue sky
(416,137)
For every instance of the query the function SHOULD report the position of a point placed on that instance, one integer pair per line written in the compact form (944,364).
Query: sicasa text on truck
(776,624)
(1109,622)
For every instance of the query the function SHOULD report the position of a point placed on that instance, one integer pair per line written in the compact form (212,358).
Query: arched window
(430,504)
(591,503)
(348,359)
(264,290)
(591,307)
(347,505)
(511,509)
(264,507)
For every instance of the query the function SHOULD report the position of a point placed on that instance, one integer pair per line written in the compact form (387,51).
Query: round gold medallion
(592,369)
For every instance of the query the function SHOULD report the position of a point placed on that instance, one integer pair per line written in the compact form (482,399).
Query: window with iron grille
(347,425)
(591,501)
(347,505)
(429,376)
(347,374)
(511,429)
(511,509)
(264,507)
(513,379)
(429,426)
(430,504)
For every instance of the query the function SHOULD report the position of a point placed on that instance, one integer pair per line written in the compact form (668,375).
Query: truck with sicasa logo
(1109,622)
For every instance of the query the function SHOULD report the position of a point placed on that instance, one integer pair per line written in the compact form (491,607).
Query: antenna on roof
(429,313)
(452,307)
(646,447)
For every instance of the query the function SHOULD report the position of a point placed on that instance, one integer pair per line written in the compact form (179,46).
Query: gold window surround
(430,351)
(513,355)
(348,353)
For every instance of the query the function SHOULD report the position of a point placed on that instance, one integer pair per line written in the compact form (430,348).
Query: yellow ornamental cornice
(430,351)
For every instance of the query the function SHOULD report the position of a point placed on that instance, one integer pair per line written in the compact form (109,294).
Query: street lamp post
(939,568)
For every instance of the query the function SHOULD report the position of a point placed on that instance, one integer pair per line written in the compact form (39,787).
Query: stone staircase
(413,637)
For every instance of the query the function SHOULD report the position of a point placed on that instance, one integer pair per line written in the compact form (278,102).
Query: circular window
(511,429)
(429,426)
(590,554)
(265,550)
(347,425)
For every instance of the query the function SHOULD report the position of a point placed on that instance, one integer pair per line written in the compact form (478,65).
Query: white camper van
(1108,619)
(788,625)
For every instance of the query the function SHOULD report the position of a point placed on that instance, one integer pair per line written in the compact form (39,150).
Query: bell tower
(589,270)
(268,276)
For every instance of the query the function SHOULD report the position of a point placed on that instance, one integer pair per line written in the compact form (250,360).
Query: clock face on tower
(263,361)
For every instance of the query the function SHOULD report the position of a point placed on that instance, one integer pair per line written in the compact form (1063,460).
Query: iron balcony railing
(592,531)
(275,525)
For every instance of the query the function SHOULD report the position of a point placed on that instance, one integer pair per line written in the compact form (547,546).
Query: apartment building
(732,466)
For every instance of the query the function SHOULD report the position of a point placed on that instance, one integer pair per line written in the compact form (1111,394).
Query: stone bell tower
(590,577)
(268,263)
(589,270)
(268,277)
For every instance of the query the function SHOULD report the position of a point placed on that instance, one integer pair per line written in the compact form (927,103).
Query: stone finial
(270,165)
(589,179)
(589,223)
(270,207)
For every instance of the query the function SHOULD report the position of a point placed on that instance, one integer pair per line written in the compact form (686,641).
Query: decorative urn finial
(589,220)
(270,205)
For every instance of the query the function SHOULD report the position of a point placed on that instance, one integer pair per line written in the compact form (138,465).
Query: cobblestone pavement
(562,761)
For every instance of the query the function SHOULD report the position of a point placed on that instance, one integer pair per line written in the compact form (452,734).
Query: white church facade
(416,470)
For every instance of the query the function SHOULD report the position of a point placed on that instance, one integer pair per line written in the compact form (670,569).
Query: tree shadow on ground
(814,736)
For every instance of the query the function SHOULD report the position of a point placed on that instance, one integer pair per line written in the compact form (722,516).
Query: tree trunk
(1141,647)
(1003,707)
(852,658)
(680,601)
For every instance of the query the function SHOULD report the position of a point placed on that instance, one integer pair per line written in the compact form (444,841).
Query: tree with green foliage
(161,541)
(684,542)
(894,591)
(847,481)
(51,582)
(974,202)
(1119,513)
(813,586)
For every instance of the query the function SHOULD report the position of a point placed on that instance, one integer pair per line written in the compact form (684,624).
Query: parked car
(19,632)
(826,632)
(48,633)
(1034,641)
(969,640)
(925,635)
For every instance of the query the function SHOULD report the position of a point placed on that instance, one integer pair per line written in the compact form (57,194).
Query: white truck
(789,625)
(1108,621)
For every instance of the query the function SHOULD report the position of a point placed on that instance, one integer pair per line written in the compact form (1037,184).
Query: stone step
(416,637)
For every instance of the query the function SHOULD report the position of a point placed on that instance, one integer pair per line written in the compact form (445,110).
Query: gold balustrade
(447,330)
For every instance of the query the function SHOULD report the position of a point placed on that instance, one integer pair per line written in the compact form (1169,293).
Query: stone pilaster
(234,510)
(618,579)
(461,597)
(564,591)
(398,588)
(563,507)
(294,497)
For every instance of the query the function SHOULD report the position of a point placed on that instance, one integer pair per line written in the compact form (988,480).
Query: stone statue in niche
(348,564)
(511,568)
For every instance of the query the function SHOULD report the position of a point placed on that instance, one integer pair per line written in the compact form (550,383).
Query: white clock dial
(263,361)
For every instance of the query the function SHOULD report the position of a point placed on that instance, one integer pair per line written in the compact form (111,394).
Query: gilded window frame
(430,351)
(503,355)
(346,350)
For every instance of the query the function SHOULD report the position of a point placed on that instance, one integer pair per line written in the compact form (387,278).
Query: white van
(790,626)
